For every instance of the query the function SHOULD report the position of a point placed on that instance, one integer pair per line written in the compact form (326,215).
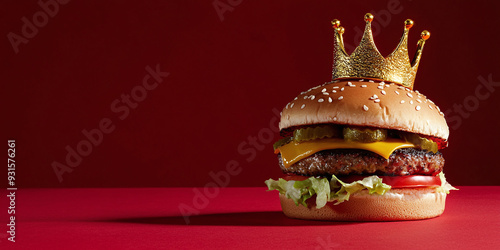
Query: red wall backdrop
(214,72)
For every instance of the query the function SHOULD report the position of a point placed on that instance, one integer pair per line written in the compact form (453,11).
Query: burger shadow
(271,218)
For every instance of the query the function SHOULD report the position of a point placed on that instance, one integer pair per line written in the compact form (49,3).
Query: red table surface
(230,218)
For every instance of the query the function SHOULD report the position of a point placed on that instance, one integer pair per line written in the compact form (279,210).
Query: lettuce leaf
(373,183)
(445,186)
(326,191)
(300,191)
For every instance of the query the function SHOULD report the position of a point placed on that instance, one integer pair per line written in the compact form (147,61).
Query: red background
(226,77)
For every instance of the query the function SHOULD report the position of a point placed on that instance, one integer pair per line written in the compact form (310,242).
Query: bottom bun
(396,204)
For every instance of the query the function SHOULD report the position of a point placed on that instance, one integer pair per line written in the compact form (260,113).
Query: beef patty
(406,161)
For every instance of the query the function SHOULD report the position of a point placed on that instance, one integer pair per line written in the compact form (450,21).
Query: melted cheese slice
(294,151)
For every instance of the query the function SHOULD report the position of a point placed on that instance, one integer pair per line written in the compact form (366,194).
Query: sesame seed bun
(366,103)
(396,204)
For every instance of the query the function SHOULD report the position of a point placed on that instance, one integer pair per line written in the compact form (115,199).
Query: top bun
(366,103)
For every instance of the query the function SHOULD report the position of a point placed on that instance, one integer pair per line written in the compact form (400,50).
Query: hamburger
(361,149)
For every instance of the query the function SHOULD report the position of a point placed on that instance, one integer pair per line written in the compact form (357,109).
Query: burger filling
(341,160)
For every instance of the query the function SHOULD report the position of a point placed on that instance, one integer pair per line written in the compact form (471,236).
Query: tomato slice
(407,181)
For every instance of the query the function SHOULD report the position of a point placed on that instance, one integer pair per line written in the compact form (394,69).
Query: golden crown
(367,62)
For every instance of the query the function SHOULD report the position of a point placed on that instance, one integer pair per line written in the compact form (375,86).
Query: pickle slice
(364,135)
(422,143)
(312,133)
(282,142)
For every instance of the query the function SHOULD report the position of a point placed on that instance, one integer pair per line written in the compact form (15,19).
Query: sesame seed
(330,99)
(401,87)
(380,87)
(288,104)
(323,90)
(335,87)
(335,81)
(295,99)
(335,118)
(340,98)
(305,97)
(326,93)
(430,106)
(361,80)
(402,101)
(438,109)
(342,89)
(363,86)
(387,85)
(334,91)
(407,89)
(349,83)
(320,100)
(365,107)
(383,92)
(441,113)
(312,97)
(409,95)
(352,85)
(291,106)
(381,83)
(411,101)
(375,96)
(377,100)
(370,81)
(417,108)
(419,101)
(303,106)
(397,93)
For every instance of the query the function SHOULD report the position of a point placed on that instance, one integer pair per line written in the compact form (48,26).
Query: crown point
(425,35)
(408,23)
(368,17)
(335,23)
(341,30)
